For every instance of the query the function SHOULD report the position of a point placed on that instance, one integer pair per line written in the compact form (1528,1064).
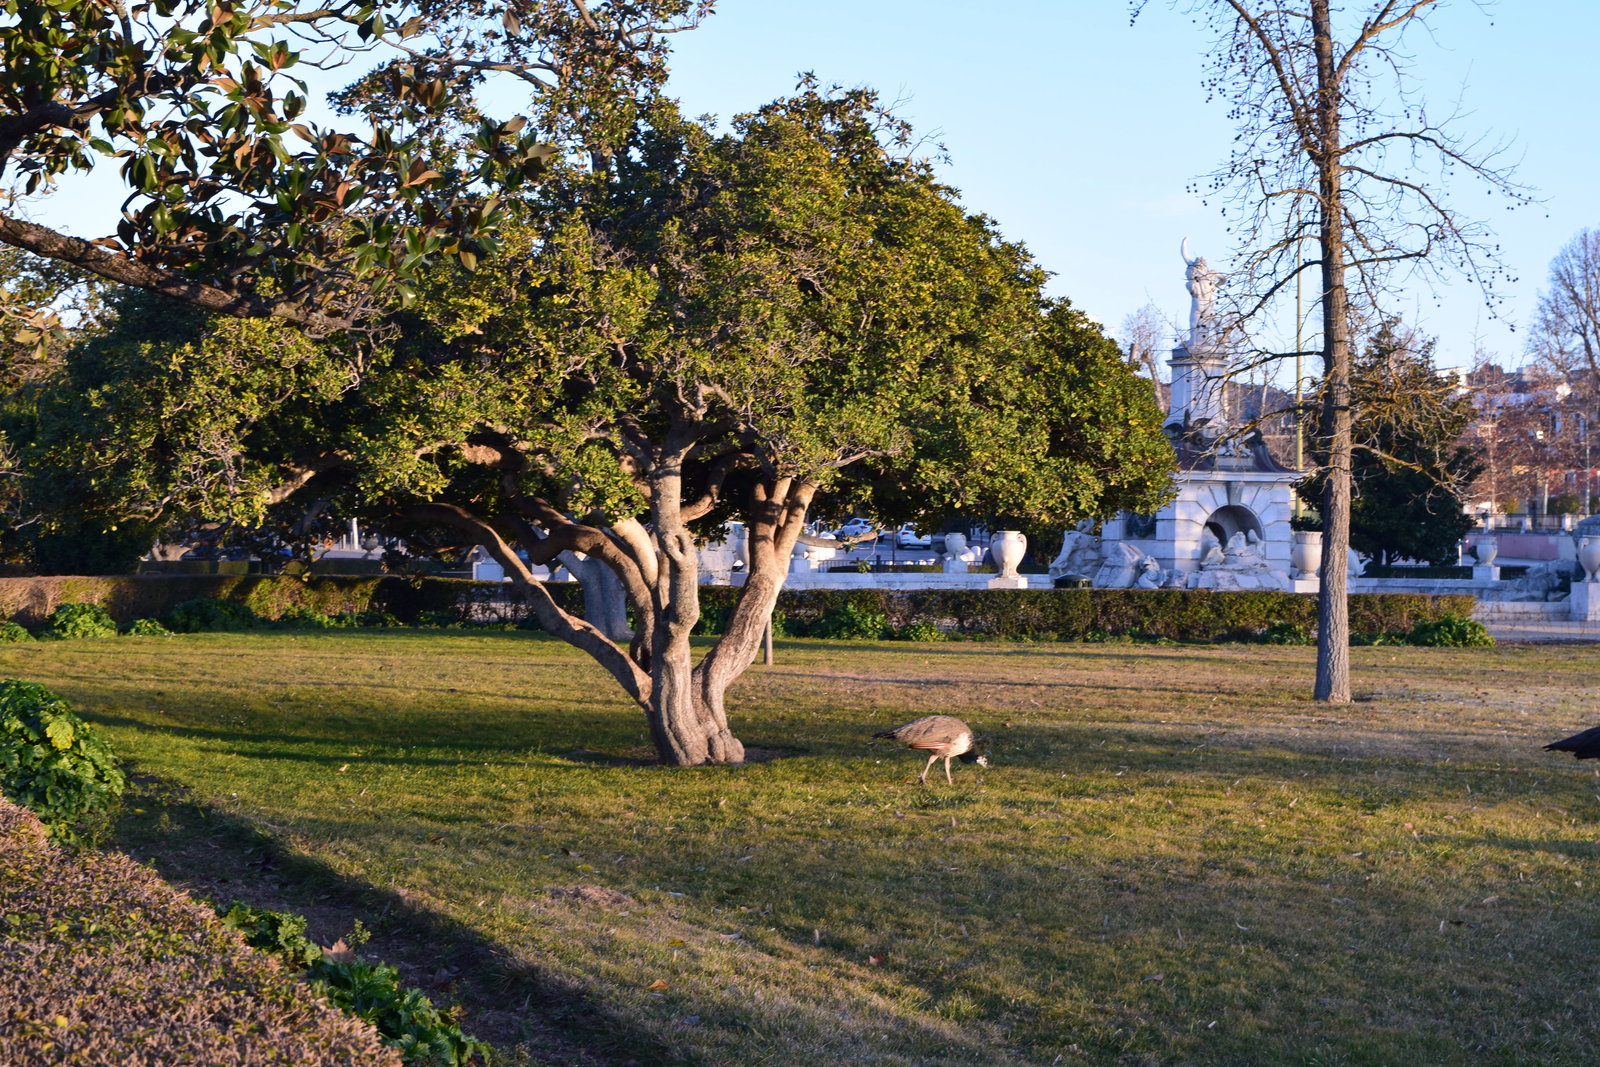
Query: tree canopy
(690,327)
(1410,470)
(239,203)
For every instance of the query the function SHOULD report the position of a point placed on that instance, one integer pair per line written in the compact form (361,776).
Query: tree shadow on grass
(222,857)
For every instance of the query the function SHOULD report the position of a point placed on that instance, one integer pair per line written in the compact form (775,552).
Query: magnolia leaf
(60,733)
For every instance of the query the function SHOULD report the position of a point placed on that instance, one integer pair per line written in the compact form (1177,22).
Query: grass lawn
(1176,856)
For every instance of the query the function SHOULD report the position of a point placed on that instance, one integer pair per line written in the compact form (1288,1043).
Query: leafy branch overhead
(236,202)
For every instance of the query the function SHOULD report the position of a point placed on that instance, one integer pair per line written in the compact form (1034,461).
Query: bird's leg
(947,777)
(929,767)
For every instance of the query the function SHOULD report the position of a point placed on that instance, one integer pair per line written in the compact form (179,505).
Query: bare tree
(1565,342)
(1144,333)
(1566,327)
(1339,157)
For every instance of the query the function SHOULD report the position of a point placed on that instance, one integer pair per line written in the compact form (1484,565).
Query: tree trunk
(605,604)
(687,723)
(778,518)
(1333,610)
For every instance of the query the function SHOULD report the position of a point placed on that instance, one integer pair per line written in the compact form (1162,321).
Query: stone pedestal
(1305,585)
(1485,572)
(1015,581)
(955,565)
(1584,603)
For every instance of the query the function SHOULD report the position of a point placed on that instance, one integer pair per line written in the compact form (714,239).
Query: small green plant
(1286,633)
(850,623)
(1380,637)
(56,764)
(919,631)
(14,632)
(146,628)
(281,933)
(70,622)
(208,615)
(408,1021)
(372,619)
(1450,631)
(306,619)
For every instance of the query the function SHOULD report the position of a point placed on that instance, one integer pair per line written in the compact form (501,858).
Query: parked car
(907,537)
(855,528)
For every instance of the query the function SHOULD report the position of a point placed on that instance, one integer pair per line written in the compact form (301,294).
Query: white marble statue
(1127,567)
(1241,565)
(1080,552)
(1201,282)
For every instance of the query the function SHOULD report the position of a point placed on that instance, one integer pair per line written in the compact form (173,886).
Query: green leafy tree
(1409,469)
(682,329)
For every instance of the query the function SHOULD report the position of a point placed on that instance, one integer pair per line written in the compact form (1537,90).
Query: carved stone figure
(1079,555)
(1201,282)
(1123,566)
(1241,565)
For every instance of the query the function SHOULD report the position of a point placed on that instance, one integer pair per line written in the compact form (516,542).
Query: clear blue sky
(1080,133)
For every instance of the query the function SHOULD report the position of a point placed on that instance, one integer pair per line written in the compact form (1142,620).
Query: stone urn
(1484,550)
(1305,552)
(1589,558)
(955,544)
(1008,547)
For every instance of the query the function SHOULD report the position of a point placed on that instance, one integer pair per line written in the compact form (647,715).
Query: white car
(856,527)
(907,537)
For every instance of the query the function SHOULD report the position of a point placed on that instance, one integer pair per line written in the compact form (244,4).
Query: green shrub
(306,619)
(408,1021)
(918,631)
(72,621)
(281,933)
(145,628)
(56,764)
(1383,637)
(1286,633)
(371,619)
(210,615)
(849,622)
(425,1036)
(1451,631)
(713,619)
(13,632)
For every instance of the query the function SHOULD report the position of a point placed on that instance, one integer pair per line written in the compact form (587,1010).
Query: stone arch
(1231,519)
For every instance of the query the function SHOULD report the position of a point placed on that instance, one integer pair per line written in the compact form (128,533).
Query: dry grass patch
(1176,858)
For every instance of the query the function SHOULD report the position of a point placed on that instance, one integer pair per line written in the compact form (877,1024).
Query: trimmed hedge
(30,601)
(103,962)
(1042,614)
(1079,614)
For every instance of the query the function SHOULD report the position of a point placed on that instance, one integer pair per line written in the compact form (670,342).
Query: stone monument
(1228,527)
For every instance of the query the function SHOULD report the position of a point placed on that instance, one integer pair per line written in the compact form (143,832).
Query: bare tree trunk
(1333,609)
